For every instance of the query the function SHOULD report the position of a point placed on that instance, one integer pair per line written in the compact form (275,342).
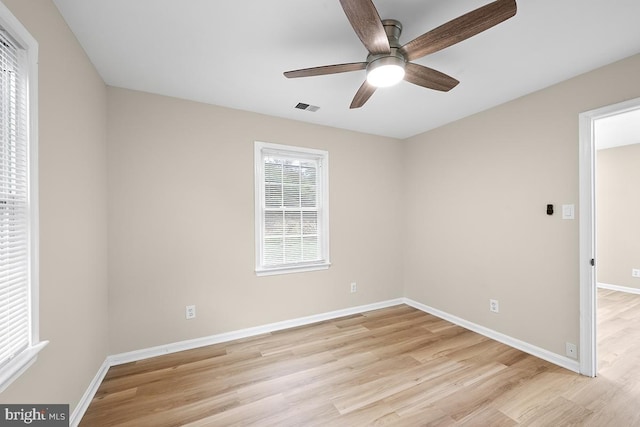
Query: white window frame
(21,361)
(322,185)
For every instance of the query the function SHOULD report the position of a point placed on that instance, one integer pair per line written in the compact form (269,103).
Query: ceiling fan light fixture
(387,58)
(386,71)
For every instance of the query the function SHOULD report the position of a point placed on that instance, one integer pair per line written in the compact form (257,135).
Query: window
(19,343)
(292,209)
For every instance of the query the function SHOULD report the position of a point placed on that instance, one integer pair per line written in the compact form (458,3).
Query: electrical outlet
(354,287)
(635,272)
(190,312)
(572,350)
(494,306)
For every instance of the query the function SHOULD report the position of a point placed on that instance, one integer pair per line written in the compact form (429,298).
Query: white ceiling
(233,53)
(618,130)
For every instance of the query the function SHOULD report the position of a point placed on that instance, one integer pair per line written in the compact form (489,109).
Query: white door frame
(588,302)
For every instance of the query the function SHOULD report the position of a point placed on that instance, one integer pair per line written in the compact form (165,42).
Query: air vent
(307,107)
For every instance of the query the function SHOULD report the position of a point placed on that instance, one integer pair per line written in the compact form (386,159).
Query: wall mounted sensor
(549,209)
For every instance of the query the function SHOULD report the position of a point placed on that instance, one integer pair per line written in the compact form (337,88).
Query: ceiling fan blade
(327,69)
(459,29)
(366,22)
(362,95)
(428,77)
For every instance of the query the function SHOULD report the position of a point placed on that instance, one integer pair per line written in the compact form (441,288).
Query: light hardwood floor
(396,366)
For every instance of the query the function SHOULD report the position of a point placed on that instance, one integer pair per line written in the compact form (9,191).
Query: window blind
(14,207)
(291,211)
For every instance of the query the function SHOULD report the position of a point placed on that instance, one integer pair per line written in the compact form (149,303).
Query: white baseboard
(134,356)
(565,362)
(86,399)
(619,288)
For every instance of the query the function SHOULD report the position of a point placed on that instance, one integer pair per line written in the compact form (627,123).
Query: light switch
(568,212)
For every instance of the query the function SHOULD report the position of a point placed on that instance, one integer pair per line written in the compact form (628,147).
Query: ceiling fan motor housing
(394,59)
(393,29)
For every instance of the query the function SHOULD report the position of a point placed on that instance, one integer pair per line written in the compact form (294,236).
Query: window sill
(292,269)
(12,370)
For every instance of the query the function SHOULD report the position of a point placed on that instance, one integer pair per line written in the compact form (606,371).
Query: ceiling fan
(388,61)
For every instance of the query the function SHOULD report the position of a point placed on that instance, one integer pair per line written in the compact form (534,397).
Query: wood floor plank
(383,386)
(486,416)
(396,366)
(423,396)
(559,408)
(528,398)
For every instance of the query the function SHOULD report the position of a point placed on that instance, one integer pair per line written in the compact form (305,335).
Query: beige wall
(73,275)
(181,221)
(618,215)
(476,195)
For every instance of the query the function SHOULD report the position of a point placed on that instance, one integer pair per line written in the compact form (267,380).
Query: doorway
(588,256)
